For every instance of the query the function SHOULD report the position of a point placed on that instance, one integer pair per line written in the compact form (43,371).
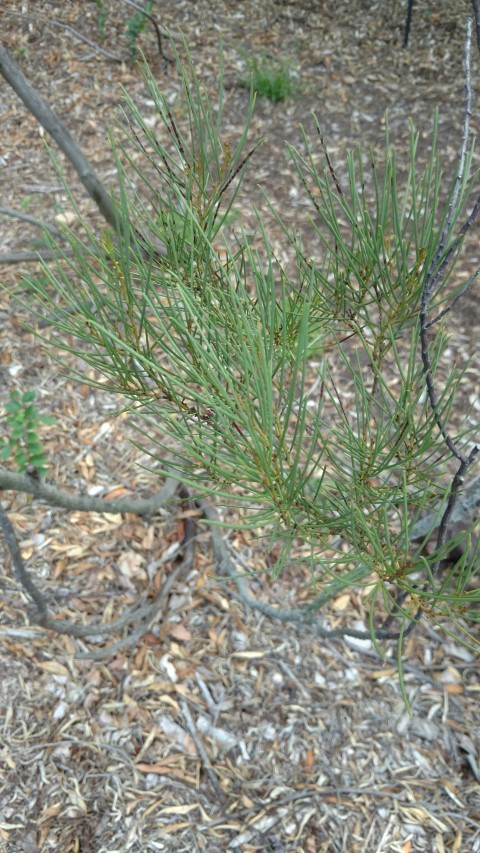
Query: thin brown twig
(329,163)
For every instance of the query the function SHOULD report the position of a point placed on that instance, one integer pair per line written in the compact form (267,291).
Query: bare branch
(152,20)
(146,614)
(437,269)
(86,503)
(59,132)
(433,278)
(34,257)
(454,301)
(45,226)
(85,39)
(42,617)
(304,615)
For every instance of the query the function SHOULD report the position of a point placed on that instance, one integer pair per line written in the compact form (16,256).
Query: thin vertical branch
(436,273)
(408,23)
(476,15)
(432,281)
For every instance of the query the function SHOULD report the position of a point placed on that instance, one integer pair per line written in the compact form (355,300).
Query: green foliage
(22,444)
(270,78)
(135,26)
(295,395)
(21,52)
(26,202)
(101,19)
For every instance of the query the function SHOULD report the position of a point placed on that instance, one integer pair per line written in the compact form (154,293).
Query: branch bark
(86,503)
(33,257)
(44,226)
(39,108)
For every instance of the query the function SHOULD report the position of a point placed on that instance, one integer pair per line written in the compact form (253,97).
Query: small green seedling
(23,443)
(101,19)
(271,78)
(136,25)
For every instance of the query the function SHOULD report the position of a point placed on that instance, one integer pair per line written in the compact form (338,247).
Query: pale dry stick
(83,38)
(68,28)
(212,705)
(306,795)
(207,766)
(20,634)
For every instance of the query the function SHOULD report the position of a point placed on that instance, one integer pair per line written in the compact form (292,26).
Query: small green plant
(23,444)
(101,19)
(136,25)
(26,202)
(270,78)
(21,53)
(338,458)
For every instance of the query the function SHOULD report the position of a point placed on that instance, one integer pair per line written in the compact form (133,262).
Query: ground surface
(308,747)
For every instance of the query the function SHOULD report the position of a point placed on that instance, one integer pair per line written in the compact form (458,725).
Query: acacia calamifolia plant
(236,365)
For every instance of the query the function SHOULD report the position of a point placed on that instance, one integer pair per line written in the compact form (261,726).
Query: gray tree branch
(86,503)
(39,108)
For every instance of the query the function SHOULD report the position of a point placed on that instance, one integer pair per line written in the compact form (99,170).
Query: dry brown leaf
(454,689)
(309,760)
(153,768)
(179,632)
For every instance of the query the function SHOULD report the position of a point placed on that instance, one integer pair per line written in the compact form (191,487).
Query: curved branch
(86,503)
(152,20)
(305,615)
(45,226)
(146,613)
(86,40)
